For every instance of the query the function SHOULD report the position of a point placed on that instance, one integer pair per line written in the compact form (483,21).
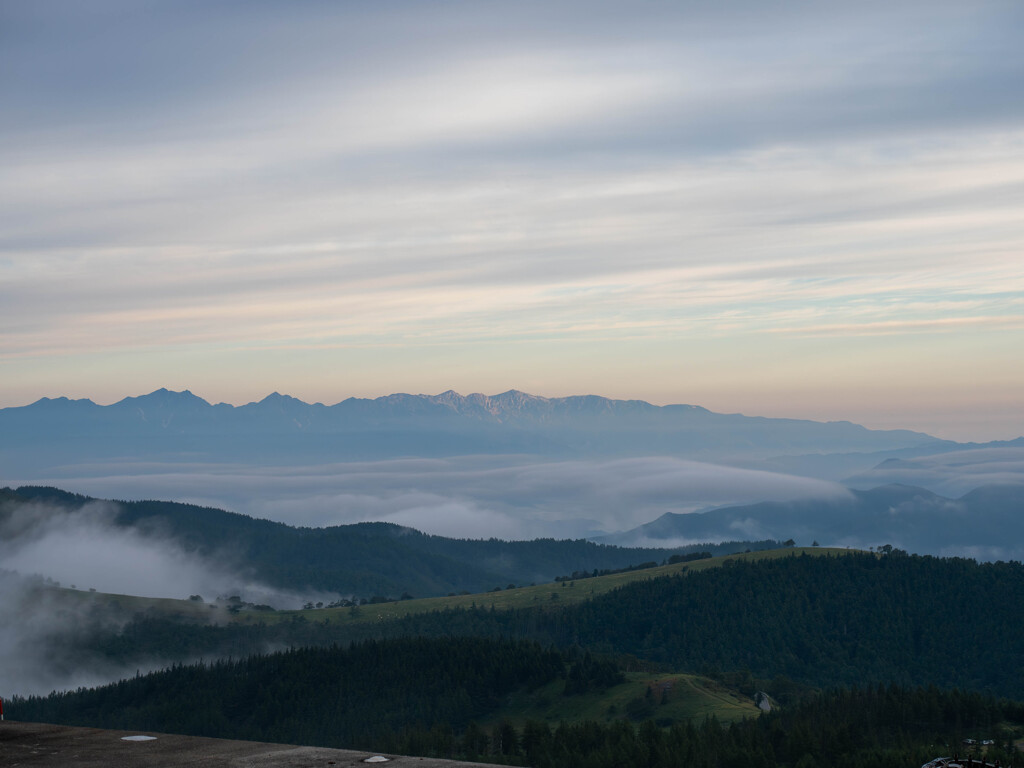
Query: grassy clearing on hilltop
(550,594)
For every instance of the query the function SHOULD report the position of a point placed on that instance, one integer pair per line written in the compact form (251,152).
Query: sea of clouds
(465,497)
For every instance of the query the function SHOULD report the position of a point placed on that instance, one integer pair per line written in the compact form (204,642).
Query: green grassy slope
(551,594)
(674,698)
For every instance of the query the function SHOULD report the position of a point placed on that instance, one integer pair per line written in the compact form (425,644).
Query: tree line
(426,697)
(819,621)
(363,559)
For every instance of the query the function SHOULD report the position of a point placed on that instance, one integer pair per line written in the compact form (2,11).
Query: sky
(783,209)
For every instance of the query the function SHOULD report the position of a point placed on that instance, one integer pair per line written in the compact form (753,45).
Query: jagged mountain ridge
(508,407)
(180,426)
(170,410)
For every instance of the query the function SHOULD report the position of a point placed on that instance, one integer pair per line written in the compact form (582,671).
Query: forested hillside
(789,625)
(364,559)
(354,697)
(417,696)
(820,621)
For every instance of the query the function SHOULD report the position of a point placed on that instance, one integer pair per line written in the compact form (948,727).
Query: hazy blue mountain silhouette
(987,523)
(180,426)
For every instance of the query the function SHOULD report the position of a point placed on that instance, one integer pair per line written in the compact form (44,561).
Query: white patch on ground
(138,738)
(762,701)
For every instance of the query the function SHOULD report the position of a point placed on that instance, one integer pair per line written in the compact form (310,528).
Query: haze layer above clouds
(808,210)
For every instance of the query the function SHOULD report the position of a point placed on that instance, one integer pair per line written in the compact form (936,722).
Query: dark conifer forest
(878,658)
(822,621)
(417,696)
(362,559)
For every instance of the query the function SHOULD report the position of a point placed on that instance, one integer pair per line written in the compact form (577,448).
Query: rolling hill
(363,560)
(752,622)
(987,522)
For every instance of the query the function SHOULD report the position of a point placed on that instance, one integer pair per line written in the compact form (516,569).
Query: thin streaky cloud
(366,182)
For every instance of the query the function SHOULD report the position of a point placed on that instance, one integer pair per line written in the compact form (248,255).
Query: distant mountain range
(179,426)
(987,523)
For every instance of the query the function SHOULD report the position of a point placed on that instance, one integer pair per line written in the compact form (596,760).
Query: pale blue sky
(792,209)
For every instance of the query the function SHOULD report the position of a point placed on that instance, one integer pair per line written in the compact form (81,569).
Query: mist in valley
(461,497)
(60,566)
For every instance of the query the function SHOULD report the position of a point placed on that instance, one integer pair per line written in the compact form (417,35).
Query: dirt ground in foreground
(38,745)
